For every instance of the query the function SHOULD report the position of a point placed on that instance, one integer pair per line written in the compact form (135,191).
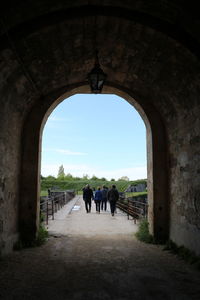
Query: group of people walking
(100,197)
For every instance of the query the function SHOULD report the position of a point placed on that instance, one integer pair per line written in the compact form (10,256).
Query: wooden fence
(55,200)
(136,207)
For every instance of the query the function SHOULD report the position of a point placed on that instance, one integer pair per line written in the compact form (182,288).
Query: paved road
(96,257)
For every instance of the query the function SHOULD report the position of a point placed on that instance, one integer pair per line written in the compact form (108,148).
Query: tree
(85,176)
(112,179)
(50,177)
(61,172)
(94,177)
(124,178)
(103,179)
(68,176)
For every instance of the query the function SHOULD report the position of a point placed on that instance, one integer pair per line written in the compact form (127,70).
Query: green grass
(187,255)
(78,185)
(43,193)
(131,194)
(41,238)
(135,194)
(184,253)
(79,193)
(143,232)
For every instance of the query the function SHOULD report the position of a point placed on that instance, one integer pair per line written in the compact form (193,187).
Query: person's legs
(96,203)
(99,205)
(112,207)
(86,205)
(89,205)
(102,205)
(105,205)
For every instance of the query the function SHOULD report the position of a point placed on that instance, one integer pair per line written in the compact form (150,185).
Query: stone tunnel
(150,52)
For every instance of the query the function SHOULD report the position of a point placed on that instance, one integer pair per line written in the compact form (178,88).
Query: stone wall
(185,170)
(15,97)
(148,55)
(140,187)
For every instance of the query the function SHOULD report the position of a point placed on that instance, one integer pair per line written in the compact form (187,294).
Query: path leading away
(95,257)
(73,220)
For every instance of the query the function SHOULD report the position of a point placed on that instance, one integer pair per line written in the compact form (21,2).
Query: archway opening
(93,139)
(156,162)
(80,122)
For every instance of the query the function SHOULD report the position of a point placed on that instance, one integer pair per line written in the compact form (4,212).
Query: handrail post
(134,204)
(128,210)
(47,210)
(52,207)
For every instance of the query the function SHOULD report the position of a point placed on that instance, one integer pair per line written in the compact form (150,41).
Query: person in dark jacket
(104,198)
(87,197)
(98,199)
(113,196)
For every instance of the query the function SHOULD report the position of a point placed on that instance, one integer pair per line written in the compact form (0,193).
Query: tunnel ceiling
(175,17)
(143,46)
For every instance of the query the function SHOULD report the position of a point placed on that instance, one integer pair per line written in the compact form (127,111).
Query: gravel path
(90,256)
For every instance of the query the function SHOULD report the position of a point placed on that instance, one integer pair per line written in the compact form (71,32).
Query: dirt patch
(97,268)
(93,257)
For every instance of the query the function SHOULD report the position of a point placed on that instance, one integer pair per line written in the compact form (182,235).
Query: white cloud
(57,119)
(133,173)
(63,151)
(69,152)
(55,122)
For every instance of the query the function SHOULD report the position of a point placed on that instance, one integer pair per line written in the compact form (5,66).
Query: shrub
(143,232)
(41,236)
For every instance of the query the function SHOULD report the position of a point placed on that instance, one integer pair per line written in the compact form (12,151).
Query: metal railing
(136,207)
(50,204)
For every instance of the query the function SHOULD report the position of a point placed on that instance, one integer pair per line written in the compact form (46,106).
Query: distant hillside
(78,185)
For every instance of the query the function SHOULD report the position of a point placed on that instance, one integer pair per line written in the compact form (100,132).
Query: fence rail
(50,204)
(136,207)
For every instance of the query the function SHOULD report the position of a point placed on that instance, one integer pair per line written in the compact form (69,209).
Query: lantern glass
(96,78)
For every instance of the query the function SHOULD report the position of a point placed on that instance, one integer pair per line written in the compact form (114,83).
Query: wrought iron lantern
(96,77)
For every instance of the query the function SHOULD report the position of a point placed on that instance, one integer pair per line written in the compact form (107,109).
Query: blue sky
(101,135)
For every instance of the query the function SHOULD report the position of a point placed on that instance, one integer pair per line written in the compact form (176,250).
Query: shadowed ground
(96,257)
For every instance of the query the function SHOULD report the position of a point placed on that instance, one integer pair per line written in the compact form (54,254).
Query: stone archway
(42,58)
(156,157)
